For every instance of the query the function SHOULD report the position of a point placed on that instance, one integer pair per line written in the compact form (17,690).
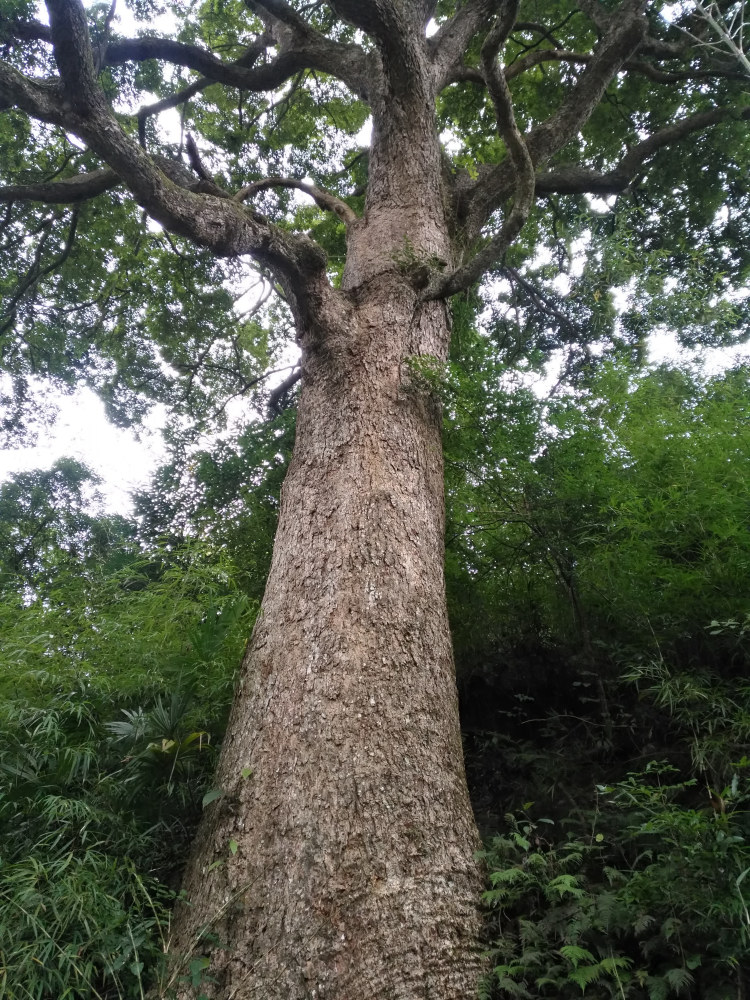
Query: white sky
(82,431)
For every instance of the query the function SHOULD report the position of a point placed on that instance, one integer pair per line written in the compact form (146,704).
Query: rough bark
(343,866)
(353,872)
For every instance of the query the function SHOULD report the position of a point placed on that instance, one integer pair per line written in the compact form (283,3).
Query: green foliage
(598,559)
(116,673)
(228,495)
(652,908)
(92,293)
(615,516)
(596,577)
(78,926)
(80,917)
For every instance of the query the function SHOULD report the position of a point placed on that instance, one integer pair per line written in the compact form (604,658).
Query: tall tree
(338,859)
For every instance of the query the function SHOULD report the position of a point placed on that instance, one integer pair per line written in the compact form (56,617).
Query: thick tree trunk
(343,866)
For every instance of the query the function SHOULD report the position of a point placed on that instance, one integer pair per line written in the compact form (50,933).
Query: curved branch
(301,47)
(277,394)
(69,191)
(518,154)
(247,59)
(234,74)
(579,180)
(220,224)
(179,97)
(311,51)
(647,69)
(326,201)
(610,56)
(481,199)
(208,184)
(123,50)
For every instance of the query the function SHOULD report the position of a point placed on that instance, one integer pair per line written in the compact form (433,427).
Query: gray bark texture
(344,865)
(353,872)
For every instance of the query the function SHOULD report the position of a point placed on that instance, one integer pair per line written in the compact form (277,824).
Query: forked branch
(299,47)
(580,180)
(451,41)
(729,36)
(76,103)
(493,186)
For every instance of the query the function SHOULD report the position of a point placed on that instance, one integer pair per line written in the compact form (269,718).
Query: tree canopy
(271,104)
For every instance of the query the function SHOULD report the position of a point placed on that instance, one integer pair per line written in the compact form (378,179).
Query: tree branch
(38,98)
(71,46)
(24,31)
(377,18)
(235,74)
(632,66)
(36,272)
(277,394)
(247,59)
(450,42)
(293,34)
(326,201)
(179,97)
(69,191)
(542,302)
(470,74)
(579,180)
(480,199)
(610,55)
(297,52)
(221,224)
(208,184)
(277,12)
(301,47)
(101,48)
(398,30)
(518,154)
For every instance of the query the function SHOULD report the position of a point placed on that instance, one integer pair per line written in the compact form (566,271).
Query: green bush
(649,905)
(78,925)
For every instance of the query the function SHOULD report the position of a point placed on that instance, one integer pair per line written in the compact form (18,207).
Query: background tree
(338,856)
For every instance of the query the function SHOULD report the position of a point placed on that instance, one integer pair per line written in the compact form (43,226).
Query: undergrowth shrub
(83,912)
(115,676)
(655,908)
(98,806)
(79,925)
(641,891)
